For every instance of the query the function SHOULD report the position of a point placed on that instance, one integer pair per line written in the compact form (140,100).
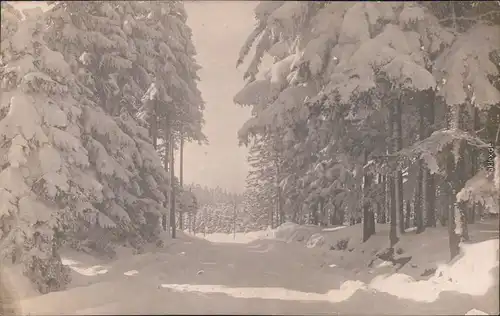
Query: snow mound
(285,231)
(86,271)
(469,274)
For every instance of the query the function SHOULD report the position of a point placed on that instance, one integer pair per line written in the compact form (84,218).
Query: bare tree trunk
(429,190)
(181,180)
(333,217)
(398,113)
(448,203)
(381,205)
(388,201)
(454,239)
(279,199)
(393,235)
(270,215)
(181,162)
(429,199)
(153,123)
(408,214)
(368,225)
(418,207)
(315,214)
(321,209)
(172,186)
(166,163)
(341,214)
(455,227)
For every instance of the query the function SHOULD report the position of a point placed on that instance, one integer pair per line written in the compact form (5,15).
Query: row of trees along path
(96,96)
(381,112)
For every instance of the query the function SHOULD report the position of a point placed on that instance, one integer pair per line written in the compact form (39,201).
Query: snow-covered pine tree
(125,162)
(254,216)
(45,179)
(172,104)
(261,179)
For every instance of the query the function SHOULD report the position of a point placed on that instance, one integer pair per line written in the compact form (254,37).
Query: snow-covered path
(266,277)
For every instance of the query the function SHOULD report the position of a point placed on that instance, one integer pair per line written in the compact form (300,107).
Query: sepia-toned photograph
(249,158)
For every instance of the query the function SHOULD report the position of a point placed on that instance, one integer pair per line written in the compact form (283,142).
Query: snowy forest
(96,97)
(384,112)
(367,113)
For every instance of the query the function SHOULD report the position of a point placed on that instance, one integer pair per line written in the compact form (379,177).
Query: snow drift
(470,274)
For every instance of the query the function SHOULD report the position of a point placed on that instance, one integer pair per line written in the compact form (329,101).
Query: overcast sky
(219,30)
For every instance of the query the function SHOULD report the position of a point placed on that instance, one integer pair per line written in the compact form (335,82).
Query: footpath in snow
(470,274)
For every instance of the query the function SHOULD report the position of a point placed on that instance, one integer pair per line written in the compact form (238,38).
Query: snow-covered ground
(226,275)
(471,274)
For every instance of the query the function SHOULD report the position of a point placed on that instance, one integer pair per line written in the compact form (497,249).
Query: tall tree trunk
(321,211)
(153,127)
(381,205)
(270,215)
(181,178)
(172,186)
(455,218)
(378,211)
(368,225)
(279,199)
(166,163)
(181,162)
(474,161)
(417,206)
(429,190)
(429,199)
(419,202)
(315,214)
(385,200)
(341,215)
(333,217)
(408,214)
(454,239)
(398,113)
(393,235)
(448,203)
